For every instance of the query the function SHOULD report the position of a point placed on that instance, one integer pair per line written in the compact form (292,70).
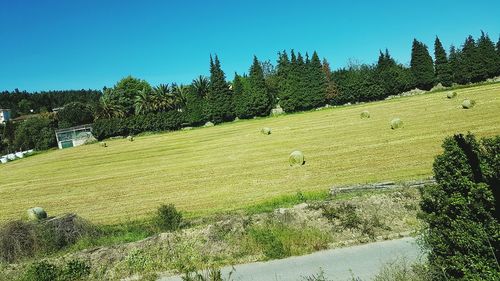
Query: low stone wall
(381,185)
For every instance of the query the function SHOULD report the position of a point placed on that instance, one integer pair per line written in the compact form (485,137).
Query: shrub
(463,232)
(168,218)
(133,125)
(75,270)
(41,271)
(345,213)
(468,104)
(35,133)
(266,131)
(396,123)
(296,158)
(451,95)
(365,114)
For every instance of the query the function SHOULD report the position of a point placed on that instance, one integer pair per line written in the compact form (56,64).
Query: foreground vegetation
(227,167)
(226,239)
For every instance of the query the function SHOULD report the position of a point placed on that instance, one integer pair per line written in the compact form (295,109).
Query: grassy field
(232,166)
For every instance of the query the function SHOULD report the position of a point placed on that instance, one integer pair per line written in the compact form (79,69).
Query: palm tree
(180,99)
(110,105)
(144,102)
(201,84)
(163,98)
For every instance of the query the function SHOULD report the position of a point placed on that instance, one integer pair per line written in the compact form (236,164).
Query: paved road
(363,261)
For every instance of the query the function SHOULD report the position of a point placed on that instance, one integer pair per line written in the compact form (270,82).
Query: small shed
(4,115)
(74,136)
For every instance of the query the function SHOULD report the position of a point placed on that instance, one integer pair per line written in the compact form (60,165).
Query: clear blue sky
(78,44)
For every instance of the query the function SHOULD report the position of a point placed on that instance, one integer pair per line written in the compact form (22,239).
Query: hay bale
(451,95)
(296,158)
(209,124)
(103,144)
(467,104)
(396,123)
(365,114)
(36,213)
(130,138)
(266,131)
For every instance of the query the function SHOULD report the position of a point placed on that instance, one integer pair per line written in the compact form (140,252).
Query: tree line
(297,82)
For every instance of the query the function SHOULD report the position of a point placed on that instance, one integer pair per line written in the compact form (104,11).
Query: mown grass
(233,166)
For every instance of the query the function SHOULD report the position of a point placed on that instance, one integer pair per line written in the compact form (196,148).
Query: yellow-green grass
(232,166)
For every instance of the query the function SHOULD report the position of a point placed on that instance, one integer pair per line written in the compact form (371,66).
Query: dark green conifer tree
(454,62)
(260,100)
(284,90)
(442,66)
(219,96)
(317,82)
(291,97)
(470,68)
(422,66)
(490,61)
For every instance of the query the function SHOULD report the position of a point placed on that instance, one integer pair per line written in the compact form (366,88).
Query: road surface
(363,261)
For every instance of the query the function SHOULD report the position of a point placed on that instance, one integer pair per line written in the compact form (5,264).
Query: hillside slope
(229,166)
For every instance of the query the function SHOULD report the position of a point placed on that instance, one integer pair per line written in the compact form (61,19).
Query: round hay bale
(365,114)
(266,131)
(209,124)
(36,213)
(451,95)
(130,138)
(396,123)
(103,144)
(467,104)
(296,158)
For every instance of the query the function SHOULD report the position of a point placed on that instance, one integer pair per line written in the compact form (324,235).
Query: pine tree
(454,62)
(498,56)
(422,66)
(291,98)
(240,98)
(317,82)
(260,100)
(489,59)
(442,66)
(331,89)
(284,85)
(219,95)
(470,67)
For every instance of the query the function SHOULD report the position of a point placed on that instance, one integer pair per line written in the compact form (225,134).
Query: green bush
(168,218)
(35,133)
(75,270)
(41,271)
(463,233)
(345,213)
(133,125)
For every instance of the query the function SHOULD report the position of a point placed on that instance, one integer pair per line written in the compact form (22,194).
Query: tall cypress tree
(331,89)
(260,99)
(422,66)
(240,98)
(471,68)
(489,59)
(317,82)
(219,95)
(454,63)
(442,66)
(284,85)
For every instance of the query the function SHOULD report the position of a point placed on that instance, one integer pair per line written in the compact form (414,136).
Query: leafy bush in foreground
(463,233)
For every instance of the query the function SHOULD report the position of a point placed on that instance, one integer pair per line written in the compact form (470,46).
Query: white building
(73,136)
(4,115)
